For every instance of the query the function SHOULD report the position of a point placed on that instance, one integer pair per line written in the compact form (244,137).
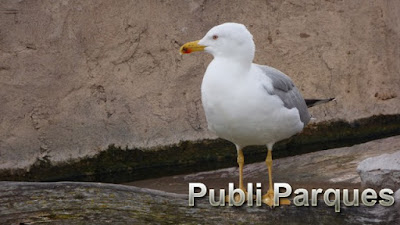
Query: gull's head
(228,40)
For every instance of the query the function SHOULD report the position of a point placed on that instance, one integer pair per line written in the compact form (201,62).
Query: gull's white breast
(239,109)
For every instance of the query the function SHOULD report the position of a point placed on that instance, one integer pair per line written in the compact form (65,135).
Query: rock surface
(76,203)
(99,203)
(334,168)
(76,76)
(381,171)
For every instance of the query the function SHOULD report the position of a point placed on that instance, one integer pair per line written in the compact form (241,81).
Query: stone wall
(76,76)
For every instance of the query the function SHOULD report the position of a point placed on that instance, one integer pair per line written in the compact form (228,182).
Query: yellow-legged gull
(247,103)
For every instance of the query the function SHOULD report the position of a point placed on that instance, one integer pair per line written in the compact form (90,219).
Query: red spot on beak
(186,50)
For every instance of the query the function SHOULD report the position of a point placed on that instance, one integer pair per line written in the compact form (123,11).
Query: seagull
(246,103)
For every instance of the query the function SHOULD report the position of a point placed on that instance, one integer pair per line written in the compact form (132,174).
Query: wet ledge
(117,164)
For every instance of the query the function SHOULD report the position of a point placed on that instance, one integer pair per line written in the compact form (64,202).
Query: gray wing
(285,89)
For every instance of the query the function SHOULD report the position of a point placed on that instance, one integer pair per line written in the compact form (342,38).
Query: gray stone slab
(96,203)
(381,171)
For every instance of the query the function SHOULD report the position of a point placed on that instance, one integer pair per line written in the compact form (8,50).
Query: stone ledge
(202,155)
(75,203)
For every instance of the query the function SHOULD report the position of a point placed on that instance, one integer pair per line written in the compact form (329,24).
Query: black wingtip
(313,102)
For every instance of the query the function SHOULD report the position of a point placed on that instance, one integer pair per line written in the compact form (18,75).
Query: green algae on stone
(117,164)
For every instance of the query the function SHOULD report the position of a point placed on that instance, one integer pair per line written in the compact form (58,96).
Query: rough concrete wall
(76,76)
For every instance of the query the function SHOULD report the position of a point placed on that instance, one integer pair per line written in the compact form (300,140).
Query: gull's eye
(215,37)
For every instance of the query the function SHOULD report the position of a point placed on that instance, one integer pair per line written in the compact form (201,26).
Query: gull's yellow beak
(191,47)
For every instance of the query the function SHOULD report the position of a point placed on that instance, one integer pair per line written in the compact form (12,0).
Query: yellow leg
(240,161)
(269,197)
